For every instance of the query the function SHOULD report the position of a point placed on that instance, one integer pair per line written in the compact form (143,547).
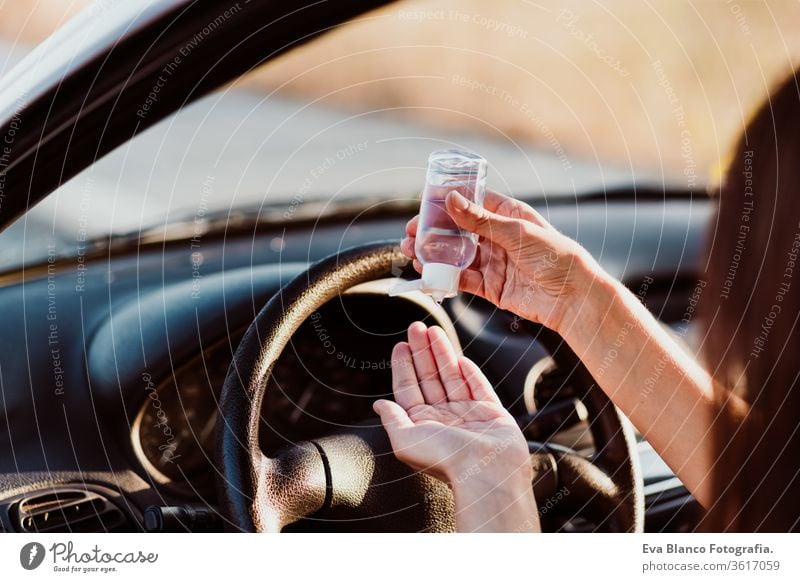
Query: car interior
(218,374)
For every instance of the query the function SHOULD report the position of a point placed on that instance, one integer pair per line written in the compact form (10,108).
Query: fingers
(404,380)
(512,208)
(425,365)
(499,219)
(472,282)
(479,385)
(407,244)
(497,228)
(494,201)
(411,227)
(393,418)
(447,361)
(407,247)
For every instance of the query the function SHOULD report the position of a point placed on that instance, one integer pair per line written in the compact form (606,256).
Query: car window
(559,100)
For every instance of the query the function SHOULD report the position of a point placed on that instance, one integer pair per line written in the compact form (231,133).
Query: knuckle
(482,217)
(528,230)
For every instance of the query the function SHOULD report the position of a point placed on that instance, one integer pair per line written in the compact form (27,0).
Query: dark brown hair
(750,311)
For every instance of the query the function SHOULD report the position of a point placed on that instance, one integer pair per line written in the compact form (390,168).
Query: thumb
(393,417)
(474,218)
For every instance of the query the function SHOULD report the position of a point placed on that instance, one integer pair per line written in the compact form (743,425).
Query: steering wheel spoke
(290,486)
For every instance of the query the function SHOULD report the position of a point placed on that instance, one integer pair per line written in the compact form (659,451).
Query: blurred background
(559,96)
(584,69)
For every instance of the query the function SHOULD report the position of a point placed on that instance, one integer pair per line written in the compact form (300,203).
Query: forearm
(496,505)
(665,392)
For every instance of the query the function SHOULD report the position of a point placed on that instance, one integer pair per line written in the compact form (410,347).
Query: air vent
(67,510)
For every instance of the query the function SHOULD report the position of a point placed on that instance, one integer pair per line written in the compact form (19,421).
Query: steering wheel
(352,477)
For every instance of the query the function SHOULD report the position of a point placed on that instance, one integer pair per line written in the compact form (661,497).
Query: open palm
(446,419)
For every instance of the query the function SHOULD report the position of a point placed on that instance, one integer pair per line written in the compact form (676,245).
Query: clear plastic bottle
(444,249)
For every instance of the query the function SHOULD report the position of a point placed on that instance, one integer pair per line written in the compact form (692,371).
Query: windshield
(559,101)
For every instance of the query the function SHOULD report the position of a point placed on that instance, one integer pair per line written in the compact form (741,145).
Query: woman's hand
(447,421)
(523,264)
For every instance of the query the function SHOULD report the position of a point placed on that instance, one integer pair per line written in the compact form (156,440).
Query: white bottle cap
(440,280)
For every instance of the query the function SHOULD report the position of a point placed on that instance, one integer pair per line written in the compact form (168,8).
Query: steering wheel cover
(608,487)
(246,473)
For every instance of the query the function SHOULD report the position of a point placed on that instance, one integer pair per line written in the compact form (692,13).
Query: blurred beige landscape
(662,84)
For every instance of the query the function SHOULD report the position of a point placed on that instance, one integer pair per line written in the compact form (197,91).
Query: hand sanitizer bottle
(444,249)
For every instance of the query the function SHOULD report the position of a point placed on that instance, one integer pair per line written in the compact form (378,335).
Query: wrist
(485,464)
(496,502)
(587,300)
(476,483)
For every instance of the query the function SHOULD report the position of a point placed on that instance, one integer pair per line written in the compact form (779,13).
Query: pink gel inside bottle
(444,249)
